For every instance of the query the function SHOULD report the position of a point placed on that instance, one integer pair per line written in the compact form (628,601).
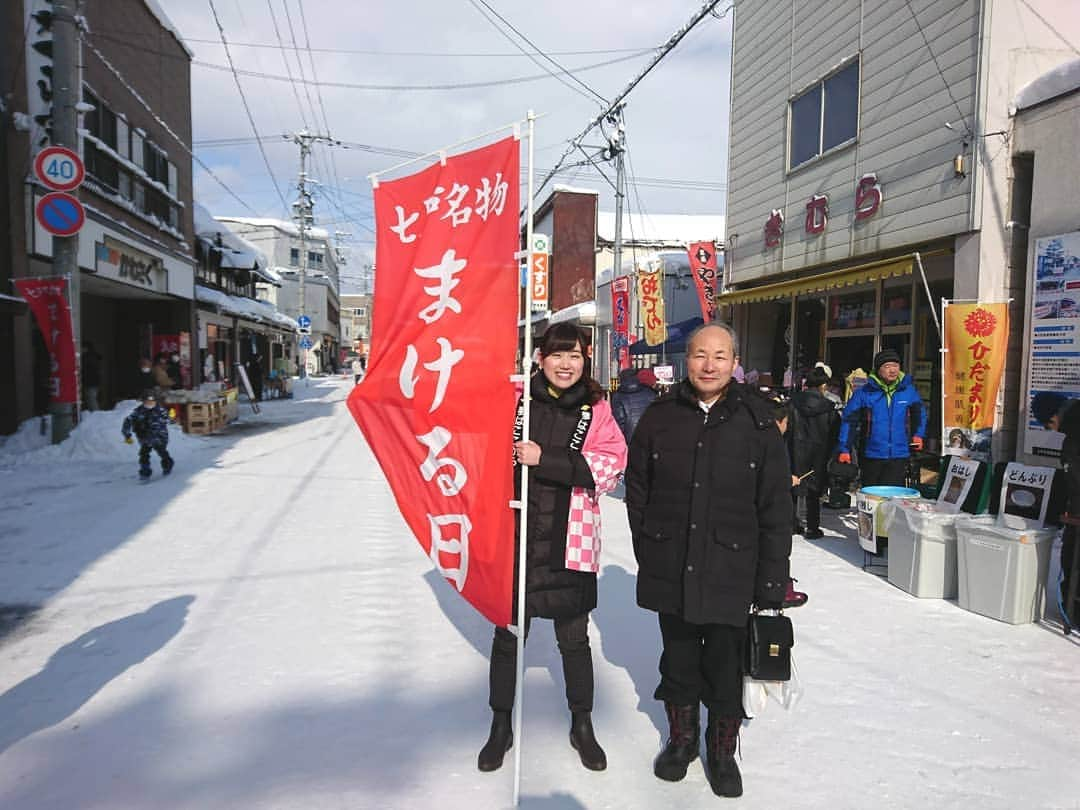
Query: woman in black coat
(567,415)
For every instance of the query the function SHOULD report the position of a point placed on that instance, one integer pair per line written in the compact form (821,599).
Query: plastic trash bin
(1002,572)
(873,519)
(922,549)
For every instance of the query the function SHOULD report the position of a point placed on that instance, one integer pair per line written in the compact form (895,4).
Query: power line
(477,3)
(157,118)
(944,81)
(285,59)
(668,46)
(435,54)
(407,87)
(1053,30)
(247,109)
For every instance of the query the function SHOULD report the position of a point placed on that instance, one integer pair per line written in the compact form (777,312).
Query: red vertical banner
(703,267)
(47,298)
(437,406)
(620,320)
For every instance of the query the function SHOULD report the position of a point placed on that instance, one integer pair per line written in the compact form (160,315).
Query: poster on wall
(976,336)
(1053,339)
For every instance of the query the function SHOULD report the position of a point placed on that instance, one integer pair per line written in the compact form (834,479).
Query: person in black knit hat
(892,417)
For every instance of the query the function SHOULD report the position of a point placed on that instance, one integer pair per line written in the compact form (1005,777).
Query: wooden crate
(203,418)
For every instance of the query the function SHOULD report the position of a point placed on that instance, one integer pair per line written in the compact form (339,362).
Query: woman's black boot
(583,740)
(499,741)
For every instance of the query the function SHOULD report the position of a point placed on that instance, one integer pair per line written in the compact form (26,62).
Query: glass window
(841,107)
(896,306)
(137,148)
(125,185)
(825,116)
(805,126)
(294,257)
(856,310)
(123,139)
(171,185)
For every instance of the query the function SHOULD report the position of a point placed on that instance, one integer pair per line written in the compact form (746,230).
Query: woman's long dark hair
(563,337)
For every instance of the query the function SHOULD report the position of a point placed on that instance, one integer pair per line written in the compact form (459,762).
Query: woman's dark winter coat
(551,590)
(812,429)
(709,502)
(629,403)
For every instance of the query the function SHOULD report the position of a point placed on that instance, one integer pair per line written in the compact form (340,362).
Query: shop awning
(848,276)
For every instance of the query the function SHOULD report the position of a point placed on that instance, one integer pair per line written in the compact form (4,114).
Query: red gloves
(917,443)
(844,458)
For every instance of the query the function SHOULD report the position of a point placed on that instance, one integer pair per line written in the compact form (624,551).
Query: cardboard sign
(1025,496)
(958,481)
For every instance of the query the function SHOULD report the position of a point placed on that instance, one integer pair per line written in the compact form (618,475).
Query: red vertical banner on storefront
(437,406)
(703,268)
(620,320)
(47,298)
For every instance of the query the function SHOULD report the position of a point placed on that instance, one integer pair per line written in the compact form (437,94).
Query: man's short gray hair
(720,324)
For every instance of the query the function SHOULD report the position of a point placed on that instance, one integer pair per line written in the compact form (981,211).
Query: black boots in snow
(501,739)
(583,740)
(721,740)
(684,742)
(498,743)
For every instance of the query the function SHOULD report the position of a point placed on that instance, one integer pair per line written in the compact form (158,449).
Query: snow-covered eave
(286,227)
(163,19)
(1061,81)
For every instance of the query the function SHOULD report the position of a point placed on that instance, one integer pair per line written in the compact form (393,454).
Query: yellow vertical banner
(975,339)
(650,290)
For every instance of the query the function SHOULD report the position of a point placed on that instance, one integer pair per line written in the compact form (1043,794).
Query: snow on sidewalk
(259,630)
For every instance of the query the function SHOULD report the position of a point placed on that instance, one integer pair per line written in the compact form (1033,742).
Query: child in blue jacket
(150,423)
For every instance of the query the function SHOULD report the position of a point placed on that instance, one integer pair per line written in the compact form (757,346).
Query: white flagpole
(526,367)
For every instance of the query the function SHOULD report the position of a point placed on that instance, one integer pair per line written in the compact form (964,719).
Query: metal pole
(302,212)
(620,185)
(526,367)
(65,249)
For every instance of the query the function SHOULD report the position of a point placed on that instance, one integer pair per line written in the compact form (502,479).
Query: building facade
(869,178)
(355,324)
(136,248)
(280,242)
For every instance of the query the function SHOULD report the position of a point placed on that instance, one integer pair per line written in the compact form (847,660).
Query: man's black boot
(583,740)
(721,740)
(498,743)
(683,745)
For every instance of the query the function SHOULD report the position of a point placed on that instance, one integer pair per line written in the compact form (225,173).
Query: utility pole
(615,150)
(65,249)
(302,213)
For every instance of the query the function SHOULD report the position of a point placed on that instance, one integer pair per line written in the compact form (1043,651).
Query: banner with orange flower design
(975,343)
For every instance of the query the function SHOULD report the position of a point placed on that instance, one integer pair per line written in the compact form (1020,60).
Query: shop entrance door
(849,353)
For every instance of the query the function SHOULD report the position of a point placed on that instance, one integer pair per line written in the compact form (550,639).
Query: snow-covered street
(259,630)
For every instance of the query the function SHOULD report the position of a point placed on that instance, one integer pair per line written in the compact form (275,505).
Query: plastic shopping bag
(757,694)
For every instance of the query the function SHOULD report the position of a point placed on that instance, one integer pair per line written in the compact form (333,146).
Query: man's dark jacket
(709,502)
(812,430)
(629,403)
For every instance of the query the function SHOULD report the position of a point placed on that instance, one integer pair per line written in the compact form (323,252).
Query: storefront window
(896,306)
(853,311)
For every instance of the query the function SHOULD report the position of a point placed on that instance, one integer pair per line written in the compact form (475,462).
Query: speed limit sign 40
(59,168)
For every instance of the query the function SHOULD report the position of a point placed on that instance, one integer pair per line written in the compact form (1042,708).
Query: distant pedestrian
(150,424)
(172,368)
(357,371)
(162,381)
(630,400)
(146,374)
(91,376)
(815,425)
(255,375)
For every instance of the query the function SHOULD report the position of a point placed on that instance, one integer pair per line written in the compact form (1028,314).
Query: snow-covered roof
(236,251)
(574,189)
(1060,81)
(249,308)
(154,8)
(281,224)
(667,228)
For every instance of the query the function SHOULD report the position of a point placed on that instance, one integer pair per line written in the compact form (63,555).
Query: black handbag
(769,640)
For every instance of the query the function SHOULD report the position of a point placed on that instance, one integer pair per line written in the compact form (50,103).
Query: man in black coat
(708,494)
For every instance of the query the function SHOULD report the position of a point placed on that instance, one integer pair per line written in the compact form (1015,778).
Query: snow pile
(33,434)
(1057,82)
(97,437)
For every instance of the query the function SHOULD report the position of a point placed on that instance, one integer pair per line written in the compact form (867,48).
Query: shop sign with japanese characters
(650,290)
(868,198)
(436,406)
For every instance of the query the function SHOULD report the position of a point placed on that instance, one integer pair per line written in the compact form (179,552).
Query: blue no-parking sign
(305,342)
(60,214)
